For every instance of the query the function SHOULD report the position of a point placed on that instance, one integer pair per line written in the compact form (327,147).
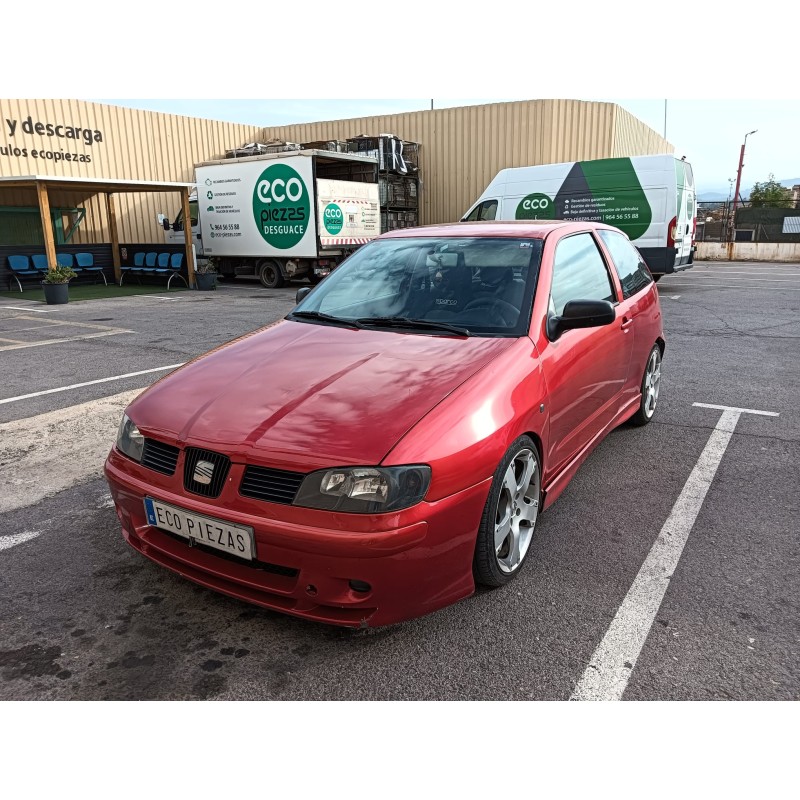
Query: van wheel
(509,516)
(270,275)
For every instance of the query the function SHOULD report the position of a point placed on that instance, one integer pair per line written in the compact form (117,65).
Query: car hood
(299,394)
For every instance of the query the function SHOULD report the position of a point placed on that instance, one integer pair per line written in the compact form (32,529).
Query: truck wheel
(270,275)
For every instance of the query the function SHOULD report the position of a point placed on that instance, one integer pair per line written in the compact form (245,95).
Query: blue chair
(20,267)
(150,262)
(135,268)
(40,262)
(163,262)
(67,260)
(86,263)
(175,265)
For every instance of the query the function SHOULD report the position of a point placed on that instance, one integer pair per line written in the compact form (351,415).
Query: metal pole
(665,119)
(739,179)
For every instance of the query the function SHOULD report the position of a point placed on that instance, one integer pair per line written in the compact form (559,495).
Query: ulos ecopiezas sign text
(17,145)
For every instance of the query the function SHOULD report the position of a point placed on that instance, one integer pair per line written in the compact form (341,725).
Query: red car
(392,442)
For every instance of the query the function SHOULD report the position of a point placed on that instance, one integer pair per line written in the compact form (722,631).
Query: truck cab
(174,233)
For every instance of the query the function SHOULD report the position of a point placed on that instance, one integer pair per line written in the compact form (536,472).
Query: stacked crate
(399,193)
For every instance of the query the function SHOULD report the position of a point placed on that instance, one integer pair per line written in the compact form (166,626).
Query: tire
(650,388)
(270,275)
(514,500)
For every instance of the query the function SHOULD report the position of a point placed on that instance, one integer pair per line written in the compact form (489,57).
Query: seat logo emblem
(203,472)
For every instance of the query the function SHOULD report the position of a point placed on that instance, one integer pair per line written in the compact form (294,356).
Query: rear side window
(579,273)
(633,274)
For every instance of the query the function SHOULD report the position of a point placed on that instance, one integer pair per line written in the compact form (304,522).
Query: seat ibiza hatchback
(393,440)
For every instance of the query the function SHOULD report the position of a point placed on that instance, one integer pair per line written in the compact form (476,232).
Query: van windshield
(477,284)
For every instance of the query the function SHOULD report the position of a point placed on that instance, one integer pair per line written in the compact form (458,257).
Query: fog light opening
(311,589)
(362,587)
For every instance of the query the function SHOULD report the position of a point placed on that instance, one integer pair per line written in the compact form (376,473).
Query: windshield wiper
(406,322)
(322,317)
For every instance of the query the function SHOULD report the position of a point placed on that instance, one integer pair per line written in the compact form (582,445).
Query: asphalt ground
(85,617)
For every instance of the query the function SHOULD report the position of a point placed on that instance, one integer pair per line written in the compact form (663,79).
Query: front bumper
(415,561)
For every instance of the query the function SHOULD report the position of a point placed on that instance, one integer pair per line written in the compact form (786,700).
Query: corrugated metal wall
(464,148)
(633,138)
(137,145)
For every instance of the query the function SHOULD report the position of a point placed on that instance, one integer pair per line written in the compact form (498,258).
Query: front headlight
(364,490)
(129,440)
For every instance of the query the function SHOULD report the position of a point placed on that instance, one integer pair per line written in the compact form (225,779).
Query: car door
(585,369)
(638,305)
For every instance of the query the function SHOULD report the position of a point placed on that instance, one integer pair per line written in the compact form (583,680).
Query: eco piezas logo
(333,218)
(281,206)
(536,206)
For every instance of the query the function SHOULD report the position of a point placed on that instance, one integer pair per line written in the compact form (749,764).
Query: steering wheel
(500,309)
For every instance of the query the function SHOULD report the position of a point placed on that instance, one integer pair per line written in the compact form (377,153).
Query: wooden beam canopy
(47,225)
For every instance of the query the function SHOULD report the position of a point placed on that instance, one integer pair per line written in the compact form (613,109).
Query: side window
(485,210)
(579,273)
(488,209)
(633,274)
(178,224)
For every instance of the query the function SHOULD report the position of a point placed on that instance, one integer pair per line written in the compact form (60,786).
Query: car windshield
(476,286)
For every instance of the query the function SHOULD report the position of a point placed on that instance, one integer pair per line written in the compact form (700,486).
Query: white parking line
(708,276)
(612,663)
(26,309)
(17,538)
(89,383)
(741,285)
(63,339)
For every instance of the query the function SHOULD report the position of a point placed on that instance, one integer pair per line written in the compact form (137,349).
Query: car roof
(530,229)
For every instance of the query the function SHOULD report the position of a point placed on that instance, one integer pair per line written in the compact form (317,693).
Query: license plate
(235,539)
(322,272)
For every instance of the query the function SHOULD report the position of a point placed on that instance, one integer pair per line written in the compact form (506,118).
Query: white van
(650,198)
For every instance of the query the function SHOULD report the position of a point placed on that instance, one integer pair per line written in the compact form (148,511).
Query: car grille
(205,462)
(271,485)
(159,456)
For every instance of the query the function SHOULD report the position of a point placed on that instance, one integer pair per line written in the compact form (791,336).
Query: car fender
(464,437)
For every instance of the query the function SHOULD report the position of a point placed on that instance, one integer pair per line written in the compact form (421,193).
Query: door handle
(626,324)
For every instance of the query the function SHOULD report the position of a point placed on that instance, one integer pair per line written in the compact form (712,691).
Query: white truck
(651,198)
(282,216)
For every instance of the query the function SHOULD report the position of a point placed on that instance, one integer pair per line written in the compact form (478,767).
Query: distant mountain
(711,197)
(719,197)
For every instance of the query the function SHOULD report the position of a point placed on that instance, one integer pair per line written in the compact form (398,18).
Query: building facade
(461,150)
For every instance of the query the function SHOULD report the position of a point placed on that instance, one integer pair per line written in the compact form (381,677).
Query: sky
(708,132)
(724,74)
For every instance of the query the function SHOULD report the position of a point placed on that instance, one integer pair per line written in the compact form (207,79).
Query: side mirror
(165,224)
(301,293)
(580,314)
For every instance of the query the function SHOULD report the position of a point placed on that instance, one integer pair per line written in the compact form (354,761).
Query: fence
(752,223)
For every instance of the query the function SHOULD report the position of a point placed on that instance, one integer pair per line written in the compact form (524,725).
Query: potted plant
(205,276)
(56,285)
